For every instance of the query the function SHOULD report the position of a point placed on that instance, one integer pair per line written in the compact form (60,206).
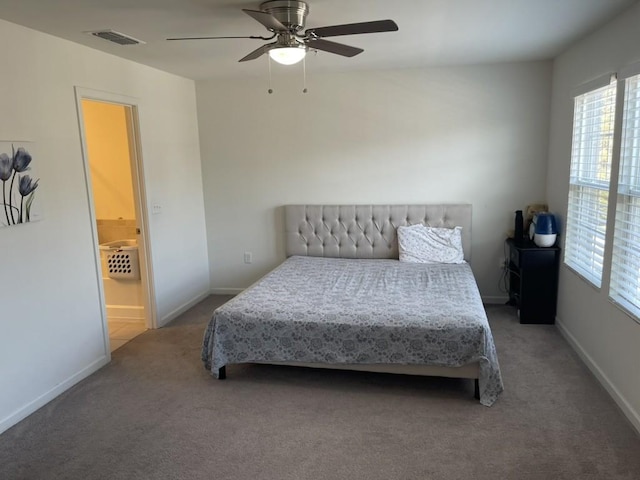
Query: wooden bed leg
(476,392)
(222,373)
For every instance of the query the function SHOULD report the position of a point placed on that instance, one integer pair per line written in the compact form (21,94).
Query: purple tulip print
(18,188)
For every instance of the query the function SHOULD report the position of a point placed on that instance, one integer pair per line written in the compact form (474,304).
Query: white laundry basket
(120,259)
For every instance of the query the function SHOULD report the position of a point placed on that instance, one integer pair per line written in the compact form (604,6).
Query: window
(591,158)
(625,263)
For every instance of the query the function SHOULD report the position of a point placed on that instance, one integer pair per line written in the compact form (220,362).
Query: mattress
(358,311)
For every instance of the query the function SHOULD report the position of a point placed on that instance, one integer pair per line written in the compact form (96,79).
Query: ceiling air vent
(115,37)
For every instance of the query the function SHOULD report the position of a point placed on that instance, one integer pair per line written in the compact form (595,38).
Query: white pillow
(421,244)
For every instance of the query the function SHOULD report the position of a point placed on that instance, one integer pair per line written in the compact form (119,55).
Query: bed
(342,300)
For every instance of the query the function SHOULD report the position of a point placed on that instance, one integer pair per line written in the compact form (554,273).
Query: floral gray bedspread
(333,310)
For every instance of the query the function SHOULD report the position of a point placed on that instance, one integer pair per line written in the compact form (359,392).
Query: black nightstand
(533,280)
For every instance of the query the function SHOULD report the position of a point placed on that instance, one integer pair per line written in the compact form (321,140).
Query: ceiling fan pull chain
(304,76)
(270,89)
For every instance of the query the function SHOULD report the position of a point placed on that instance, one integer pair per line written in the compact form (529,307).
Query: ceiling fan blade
(333,47)
(258,52)
(266,19)
(217,38)
(354,29)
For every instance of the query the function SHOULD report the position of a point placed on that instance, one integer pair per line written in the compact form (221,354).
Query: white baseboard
(226,291)
(495,299)
(182,308)
(623,404)
(46,397)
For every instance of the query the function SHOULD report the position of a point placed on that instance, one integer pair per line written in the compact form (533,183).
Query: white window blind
(591,153)
(625,265)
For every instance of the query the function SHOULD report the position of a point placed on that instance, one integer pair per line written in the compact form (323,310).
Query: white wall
(474,134)
(607,339)
(107,143)
(51,333)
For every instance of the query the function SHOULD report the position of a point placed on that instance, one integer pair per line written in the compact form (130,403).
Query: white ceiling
(431,32)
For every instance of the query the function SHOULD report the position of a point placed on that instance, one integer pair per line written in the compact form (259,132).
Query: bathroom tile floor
(121,332)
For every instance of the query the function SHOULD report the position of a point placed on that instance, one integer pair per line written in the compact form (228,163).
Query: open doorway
(113,174)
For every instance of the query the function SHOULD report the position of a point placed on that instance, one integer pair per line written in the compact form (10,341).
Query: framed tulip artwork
(19,184)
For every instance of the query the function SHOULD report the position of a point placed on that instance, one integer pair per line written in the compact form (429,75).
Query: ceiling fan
(286,20)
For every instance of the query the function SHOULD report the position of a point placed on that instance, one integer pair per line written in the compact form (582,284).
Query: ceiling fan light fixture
(288,55)
(285,20)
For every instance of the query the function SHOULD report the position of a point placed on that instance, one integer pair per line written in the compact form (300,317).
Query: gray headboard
(365,231)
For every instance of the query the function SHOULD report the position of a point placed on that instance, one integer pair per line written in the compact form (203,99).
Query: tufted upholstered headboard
(365,231)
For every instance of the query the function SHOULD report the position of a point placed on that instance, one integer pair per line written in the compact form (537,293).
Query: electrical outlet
(156,209)
(248,257)
(502,263)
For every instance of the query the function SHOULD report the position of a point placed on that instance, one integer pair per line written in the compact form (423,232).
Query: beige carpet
(155,413)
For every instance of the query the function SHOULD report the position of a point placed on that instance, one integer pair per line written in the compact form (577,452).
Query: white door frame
(139,194)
